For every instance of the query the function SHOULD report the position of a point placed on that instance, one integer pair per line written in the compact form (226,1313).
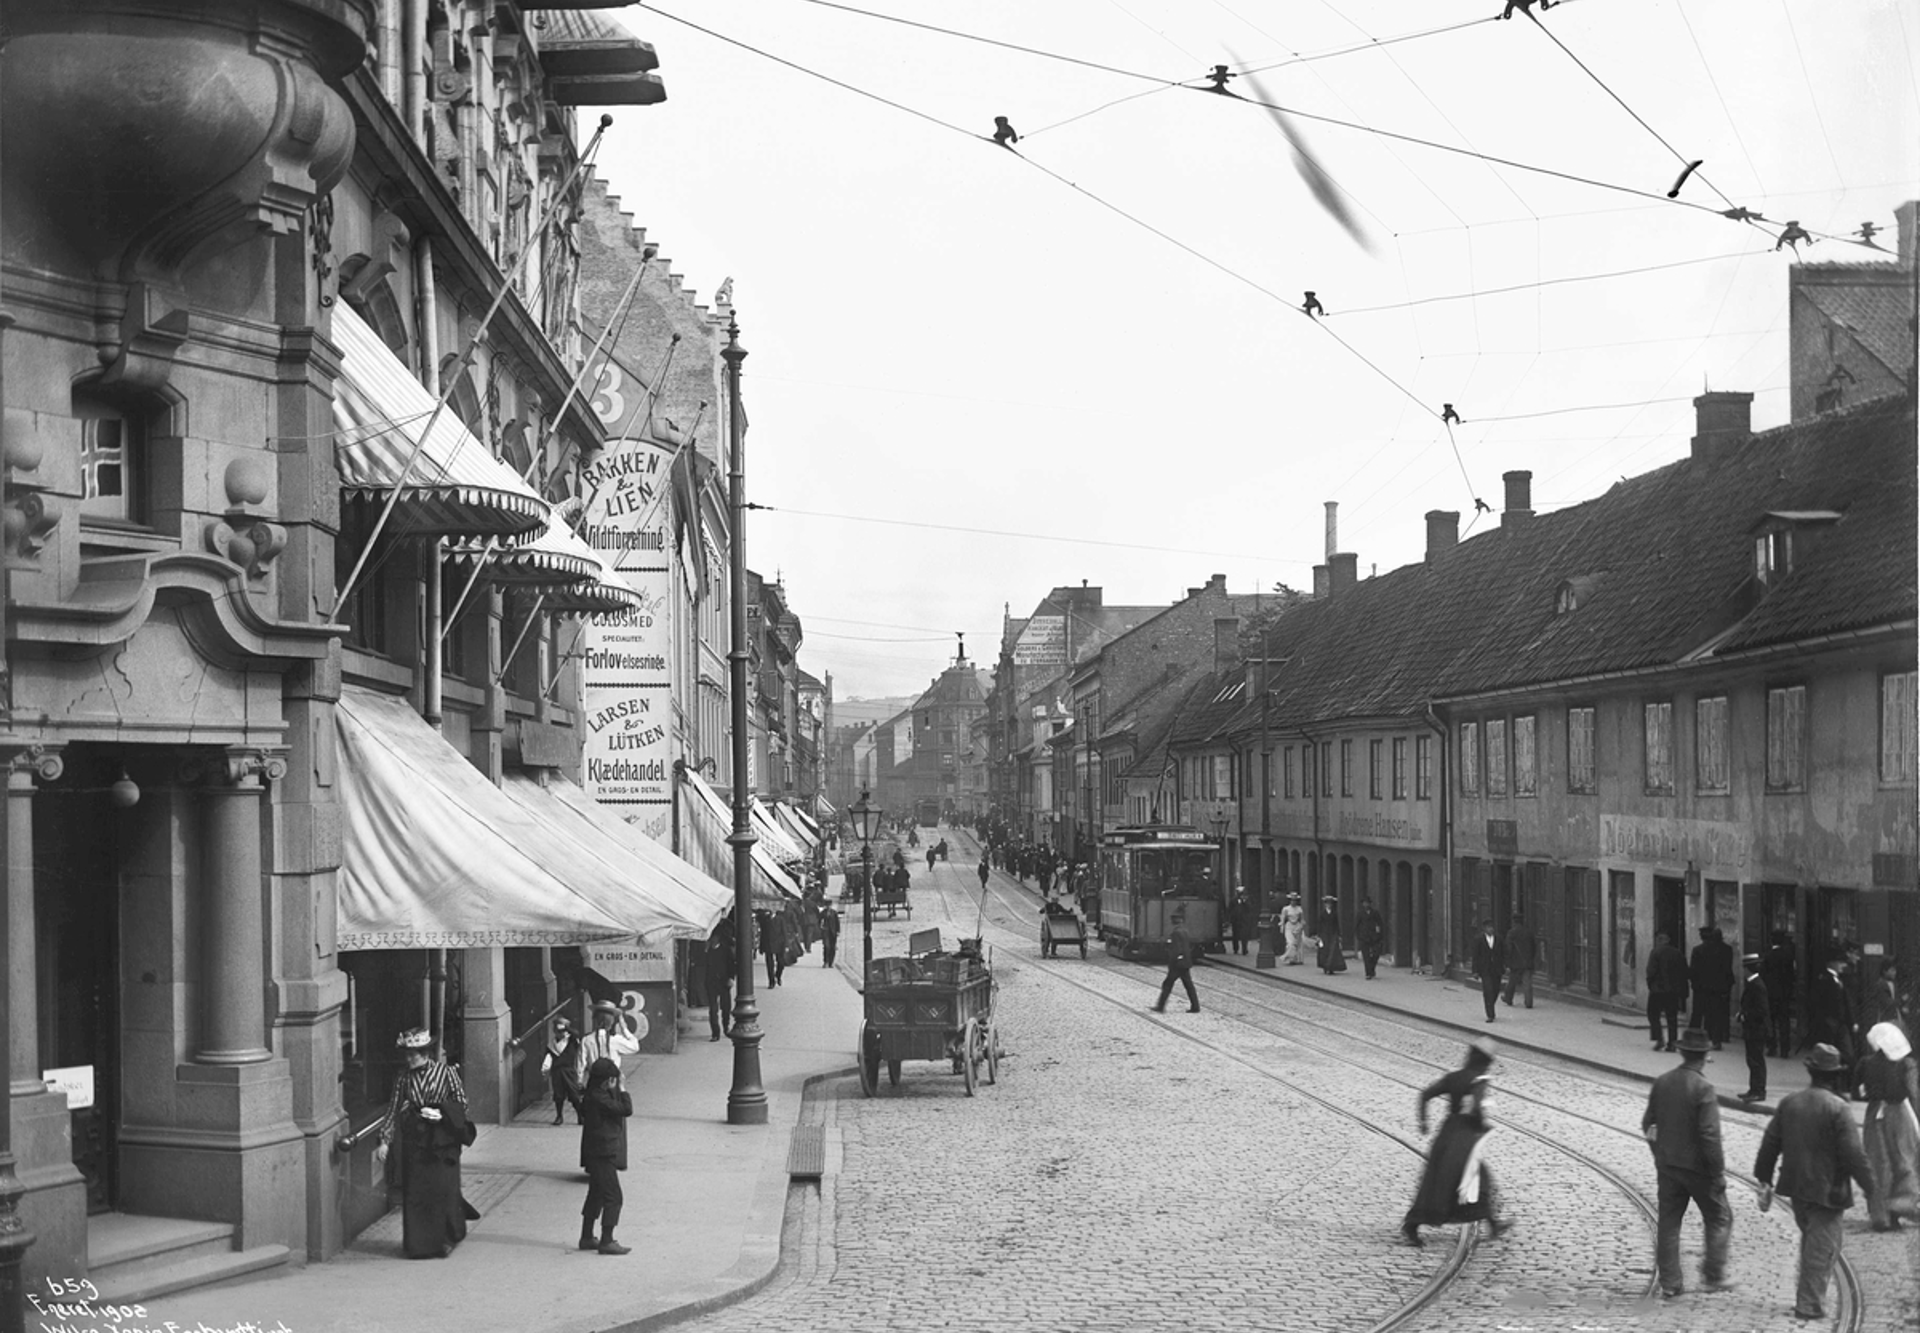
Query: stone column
(52,1197)
(233,1030)
(26,770)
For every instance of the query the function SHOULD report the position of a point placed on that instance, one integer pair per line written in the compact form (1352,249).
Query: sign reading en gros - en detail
(626,681)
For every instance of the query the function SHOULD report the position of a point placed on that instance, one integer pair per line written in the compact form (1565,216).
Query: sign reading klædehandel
(627,699)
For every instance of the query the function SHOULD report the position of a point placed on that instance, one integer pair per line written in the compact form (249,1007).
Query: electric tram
(1149,873)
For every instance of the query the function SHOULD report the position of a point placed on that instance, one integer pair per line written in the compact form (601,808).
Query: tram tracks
(1849,1307)
(1430,1298)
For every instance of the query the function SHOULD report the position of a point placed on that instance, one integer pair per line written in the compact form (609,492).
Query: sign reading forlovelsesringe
(626,676)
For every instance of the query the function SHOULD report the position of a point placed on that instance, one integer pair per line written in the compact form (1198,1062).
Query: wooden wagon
(931,1007)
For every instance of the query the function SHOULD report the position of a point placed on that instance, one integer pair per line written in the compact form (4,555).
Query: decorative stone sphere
(246,480)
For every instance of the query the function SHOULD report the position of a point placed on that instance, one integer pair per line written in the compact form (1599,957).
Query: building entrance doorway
(1670,910)
(1623,957)
(77,871)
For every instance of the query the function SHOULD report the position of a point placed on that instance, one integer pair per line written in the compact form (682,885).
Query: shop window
(1658,773)
(1711,767)
(1786,737)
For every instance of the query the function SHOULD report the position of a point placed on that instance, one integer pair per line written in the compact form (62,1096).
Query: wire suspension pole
(747,1098)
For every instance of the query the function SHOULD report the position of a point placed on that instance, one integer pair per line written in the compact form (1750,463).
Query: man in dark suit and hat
(1682,1125)
(1488,960)
(1756,1026)
(1816,1145)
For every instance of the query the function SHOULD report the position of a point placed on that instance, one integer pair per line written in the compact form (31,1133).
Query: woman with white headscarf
(1892,1132)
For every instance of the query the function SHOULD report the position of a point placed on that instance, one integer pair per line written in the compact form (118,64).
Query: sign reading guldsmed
(627,694)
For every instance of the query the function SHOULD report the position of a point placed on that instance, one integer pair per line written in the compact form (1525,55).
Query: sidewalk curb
(1726,1100)
(762,1250)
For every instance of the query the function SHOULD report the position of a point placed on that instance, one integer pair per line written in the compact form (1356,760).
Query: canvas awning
(456,488)
(793,824)
(573,577)
(694,899)
(710,824)
(773,837)
(435,856)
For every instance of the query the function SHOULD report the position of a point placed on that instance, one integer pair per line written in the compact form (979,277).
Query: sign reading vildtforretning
(627,695)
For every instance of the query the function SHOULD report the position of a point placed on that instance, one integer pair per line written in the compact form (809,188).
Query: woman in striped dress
(428,1115)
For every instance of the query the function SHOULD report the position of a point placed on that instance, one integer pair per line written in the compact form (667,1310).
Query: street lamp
(866,822)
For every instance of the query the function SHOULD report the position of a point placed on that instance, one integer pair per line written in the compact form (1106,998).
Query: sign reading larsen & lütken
(627,697)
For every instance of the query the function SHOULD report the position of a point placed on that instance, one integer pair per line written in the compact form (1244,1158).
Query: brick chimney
(1320,583)
(1443,531)
(1723,421)
(1226,644)
(1904,223)
(1333,527)
(1519,498)
(1343,572)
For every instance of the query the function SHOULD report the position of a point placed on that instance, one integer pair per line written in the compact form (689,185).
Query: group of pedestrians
(1812,1154)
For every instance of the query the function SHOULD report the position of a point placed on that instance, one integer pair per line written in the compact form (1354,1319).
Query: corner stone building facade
(173,305)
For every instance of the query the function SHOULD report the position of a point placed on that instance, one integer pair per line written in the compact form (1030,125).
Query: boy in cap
(1813,1140)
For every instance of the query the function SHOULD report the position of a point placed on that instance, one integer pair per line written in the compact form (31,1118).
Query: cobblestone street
(1247,1166)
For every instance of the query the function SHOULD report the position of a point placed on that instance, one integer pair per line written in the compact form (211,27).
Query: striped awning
(456,487)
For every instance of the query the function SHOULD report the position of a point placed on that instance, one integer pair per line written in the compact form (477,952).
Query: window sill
(101,536)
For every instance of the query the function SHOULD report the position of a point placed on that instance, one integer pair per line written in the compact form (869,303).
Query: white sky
(942,334)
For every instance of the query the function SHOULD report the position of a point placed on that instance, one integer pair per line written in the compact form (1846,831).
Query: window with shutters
(1399,768)
(1786,737)
(1469,758)
(1711,767)
(1580,750)
(1423,768)
(1496,756)
(1658,771)
(1897,727)
(1526,780)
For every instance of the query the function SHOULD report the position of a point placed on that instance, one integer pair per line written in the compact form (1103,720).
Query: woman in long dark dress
(1331,959)
(1457,1185)
(428,1115)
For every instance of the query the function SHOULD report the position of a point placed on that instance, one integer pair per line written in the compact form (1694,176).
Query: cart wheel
(867,1056)
(993,1053)
(893,1073)
(970,1056)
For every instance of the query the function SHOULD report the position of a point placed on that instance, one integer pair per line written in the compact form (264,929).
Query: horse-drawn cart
(1060,924)
(929,1005)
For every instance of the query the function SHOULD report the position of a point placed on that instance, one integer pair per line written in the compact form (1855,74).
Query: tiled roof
(1660,567)
(1876,314)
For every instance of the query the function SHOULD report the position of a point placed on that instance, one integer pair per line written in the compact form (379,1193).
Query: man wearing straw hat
(1813,1140)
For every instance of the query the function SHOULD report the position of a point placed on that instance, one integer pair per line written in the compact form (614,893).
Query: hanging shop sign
(626,677)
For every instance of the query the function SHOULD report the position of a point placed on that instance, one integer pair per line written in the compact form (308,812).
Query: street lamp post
(866,822)
(747,1098)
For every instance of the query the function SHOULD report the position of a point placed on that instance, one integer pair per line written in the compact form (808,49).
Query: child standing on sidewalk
(605,1106)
